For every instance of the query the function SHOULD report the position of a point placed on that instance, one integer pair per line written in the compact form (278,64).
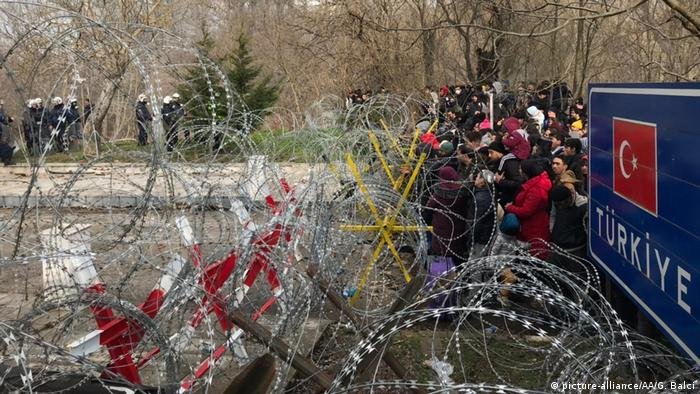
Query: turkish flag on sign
(634,151)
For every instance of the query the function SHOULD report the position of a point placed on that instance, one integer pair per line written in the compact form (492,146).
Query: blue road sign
(644,188)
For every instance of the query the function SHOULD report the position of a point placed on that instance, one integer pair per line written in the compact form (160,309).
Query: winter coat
(179,111)
(168,113)
(531,206)
(41,121)
(72,115)
(143,115)
(569,231)
(4,118)
(57,117)
(508,187)
(486,124)
(446,211)
(557,151)
(28,123)
(462,100)
(484,215)
(87,110)
(574,163)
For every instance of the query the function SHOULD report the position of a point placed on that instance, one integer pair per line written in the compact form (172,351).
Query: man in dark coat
(168,113)
(143,119)
(75,125)
(179,111)
(42,123)
(482,214)
(569,232)
(28,127)
(574,156)
(57,121)
(507,168)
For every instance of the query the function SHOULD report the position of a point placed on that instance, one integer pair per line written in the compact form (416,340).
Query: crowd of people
(58,128)
(360,96)
(527,171)
(43,128)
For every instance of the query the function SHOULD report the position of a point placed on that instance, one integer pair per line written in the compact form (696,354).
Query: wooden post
(369,361)
(281,349)
(339,303)
(256,378)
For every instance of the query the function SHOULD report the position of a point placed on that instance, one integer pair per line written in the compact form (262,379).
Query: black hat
(532,167)
(574,143)
(559,193)
(498,147)
(544,144)
(465,149)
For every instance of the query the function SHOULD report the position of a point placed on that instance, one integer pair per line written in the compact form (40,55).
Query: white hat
(532,111)
(73,100)
(38,100)
(167,99)
(142,97)
(176,96)
(57,100)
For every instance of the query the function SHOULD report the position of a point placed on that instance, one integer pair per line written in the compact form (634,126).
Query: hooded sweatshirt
(516,140)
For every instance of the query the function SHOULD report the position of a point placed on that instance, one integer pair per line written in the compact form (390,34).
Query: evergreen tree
(256,92)
(253,93)
(202,93)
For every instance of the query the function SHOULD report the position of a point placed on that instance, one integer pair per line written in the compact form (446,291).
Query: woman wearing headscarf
(446,211)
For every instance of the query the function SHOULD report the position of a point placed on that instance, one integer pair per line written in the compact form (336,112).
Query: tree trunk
(584,60)
(577,56)
(467,54)
(429,57)
(554,59)
(93,127)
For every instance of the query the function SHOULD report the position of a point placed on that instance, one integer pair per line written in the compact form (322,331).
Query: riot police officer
(143,119)
(57,121)
(168,113)
(75,126)
(179,111)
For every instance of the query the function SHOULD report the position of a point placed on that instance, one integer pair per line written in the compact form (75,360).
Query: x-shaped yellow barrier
(386,226)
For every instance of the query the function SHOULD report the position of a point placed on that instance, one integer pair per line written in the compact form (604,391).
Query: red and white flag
(634,152)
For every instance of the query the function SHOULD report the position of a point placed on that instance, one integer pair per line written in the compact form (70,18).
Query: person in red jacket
(531,206)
